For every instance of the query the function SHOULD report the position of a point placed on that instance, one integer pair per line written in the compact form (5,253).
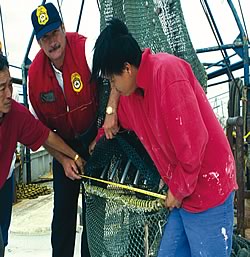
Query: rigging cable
(216,38)
(80,17)
(59,8)
(235,87)
(4,42)
(99,5)
(243,19)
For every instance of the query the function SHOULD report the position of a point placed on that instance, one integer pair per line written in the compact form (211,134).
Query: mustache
(55,47)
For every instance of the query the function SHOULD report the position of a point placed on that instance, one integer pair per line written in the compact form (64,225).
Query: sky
(18,29)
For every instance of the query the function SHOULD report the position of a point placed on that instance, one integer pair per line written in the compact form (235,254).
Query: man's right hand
(72,168)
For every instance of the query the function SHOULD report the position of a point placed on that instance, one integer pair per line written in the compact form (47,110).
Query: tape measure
(134,189)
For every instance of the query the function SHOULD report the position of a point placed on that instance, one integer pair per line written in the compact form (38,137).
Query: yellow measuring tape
(134,189)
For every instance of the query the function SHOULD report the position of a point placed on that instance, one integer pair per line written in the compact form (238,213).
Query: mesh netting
(122,222)
(123,160)
(241,247)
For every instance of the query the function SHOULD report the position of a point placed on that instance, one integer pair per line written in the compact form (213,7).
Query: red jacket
(70,114)
(180,131)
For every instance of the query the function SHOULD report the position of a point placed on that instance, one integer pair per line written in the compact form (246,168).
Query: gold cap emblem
(42,15)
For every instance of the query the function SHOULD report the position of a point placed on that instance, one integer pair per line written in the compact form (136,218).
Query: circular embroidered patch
(76,82)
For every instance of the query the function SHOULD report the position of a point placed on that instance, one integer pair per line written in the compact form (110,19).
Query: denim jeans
(204,234)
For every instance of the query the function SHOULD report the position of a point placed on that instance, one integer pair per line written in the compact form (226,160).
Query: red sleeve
(100,133)
(188,136)
(32,132)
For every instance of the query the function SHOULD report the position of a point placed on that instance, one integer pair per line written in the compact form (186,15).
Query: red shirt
(19,125)
(180,131)
(73,111)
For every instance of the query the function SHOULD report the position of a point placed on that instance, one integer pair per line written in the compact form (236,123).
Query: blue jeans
(6,198)
(204,234)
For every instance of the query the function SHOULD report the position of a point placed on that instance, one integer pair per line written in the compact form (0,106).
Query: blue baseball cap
(45,18)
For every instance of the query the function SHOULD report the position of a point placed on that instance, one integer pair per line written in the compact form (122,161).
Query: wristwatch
(110,110)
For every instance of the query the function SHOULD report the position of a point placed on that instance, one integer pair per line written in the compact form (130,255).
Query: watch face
(109,110)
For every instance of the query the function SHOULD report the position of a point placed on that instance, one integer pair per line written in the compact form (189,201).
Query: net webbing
(121,222)
(122,225)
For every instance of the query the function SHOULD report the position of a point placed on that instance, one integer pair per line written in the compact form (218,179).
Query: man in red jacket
(65,100)
(17,124)
(163,103)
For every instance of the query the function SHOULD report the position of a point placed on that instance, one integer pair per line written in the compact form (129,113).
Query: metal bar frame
(238,150)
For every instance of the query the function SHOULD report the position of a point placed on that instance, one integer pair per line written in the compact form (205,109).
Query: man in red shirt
(64,100)
(17,124)
(164,104)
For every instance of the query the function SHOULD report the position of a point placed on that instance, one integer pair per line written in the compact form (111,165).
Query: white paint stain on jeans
(224,233)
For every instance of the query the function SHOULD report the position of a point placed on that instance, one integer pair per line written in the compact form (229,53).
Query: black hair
(113,48)
(3,62)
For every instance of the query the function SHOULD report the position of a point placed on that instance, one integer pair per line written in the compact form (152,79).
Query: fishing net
(241,247)
(121,222)
(122,225)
